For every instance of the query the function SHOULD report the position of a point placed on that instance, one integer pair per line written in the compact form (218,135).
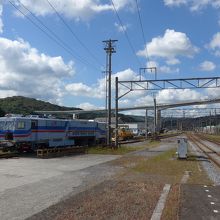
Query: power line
(53,36)
(126,34)
(142,29)
(74,35)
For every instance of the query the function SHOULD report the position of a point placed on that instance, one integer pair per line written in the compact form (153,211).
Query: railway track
(208,139)
(208,150)
(169,135)
(143,139)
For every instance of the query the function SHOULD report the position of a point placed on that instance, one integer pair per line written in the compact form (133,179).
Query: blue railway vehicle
(32,133)
(101,134)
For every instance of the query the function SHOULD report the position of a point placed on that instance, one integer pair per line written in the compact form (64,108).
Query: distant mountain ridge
(24,105)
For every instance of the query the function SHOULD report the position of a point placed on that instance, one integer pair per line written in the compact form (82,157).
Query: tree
(2,113)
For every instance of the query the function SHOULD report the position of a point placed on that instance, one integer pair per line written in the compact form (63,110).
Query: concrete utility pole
(116,112)
(109,48)
(158,120)
(146,124)
(155,116)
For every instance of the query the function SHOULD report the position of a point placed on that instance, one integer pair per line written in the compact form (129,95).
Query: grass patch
(212,137)
(166,165)
(107,150)
(152,144)
(123,149)
(171,209)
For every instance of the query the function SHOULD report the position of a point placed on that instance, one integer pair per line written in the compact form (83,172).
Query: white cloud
(73,9)
(170,46)
(213,93)
(88,106)
(161,69)
(198,5)
(1,22)
(98,90)
(7,93)
(138,98)
(167,69)
(174,2)
(173,61)
(207,66)
(26,71)
(214,44)
(80,89)
(125,102)
(194,5)
(169,96)
(172,95)
(121,28)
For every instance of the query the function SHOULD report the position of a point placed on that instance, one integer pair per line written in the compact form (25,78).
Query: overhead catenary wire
(142,29)
(52,35)
(126,34)
(72,32)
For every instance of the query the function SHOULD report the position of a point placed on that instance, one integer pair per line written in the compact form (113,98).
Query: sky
(53,50)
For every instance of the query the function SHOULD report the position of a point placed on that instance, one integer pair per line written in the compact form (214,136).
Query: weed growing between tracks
(212,137)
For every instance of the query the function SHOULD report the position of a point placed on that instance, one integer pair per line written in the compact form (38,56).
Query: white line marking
(212,203)
(209,196)
(215,211)
(199,168)
(161,203)
(207,190)
(205,186)
(185,177)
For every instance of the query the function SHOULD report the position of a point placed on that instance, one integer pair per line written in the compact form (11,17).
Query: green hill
(24,105)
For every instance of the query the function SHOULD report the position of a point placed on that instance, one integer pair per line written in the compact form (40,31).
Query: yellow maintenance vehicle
(124,133)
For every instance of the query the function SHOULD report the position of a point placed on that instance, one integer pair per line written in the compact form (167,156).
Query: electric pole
(110,49)
(146,124)
(155,116)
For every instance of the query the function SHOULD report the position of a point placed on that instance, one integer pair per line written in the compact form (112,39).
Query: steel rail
(198,143)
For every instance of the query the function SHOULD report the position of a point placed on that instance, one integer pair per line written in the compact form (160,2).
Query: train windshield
(2,123)
(7,125)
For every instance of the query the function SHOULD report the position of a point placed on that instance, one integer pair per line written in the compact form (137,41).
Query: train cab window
(33,124)
(21,125)
(2,123)
(9,125)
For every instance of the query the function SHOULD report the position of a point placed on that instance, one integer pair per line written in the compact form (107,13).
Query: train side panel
(34,133)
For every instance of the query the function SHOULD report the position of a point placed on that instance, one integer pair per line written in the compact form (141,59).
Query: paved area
(163,147)
(29,185)
(200,202)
